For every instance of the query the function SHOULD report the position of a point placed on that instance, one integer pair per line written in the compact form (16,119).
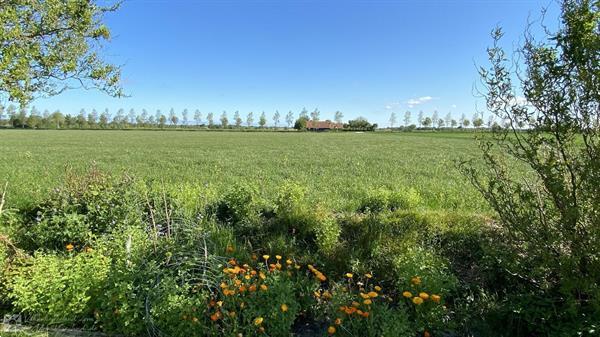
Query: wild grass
(335,168)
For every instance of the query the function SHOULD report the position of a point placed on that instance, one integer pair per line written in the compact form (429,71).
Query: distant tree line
(15,117)
(435,121)
(22,117)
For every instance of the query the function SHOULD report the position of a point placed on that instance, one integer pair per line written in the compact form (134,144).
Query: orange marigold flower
(367,302)
(416,280)
(331,330)
(230,249)
(372,294)
(263,287)
(288,262)
(355,304)
(436,298)
(252,288)
(365,314)
(407,294)
(364,296)
(377,288)
(284,307)
(258,320)
(214,316)
(254,257)
(321,277)
(424,296)
(417,300)
(338,321)
(69,247)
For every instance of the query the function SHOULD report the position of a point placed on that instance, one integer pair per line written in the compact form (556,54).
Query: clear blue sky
(364,58)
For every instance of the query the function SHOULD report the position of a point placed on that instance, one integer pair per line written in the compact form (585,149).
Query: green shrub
(382,199)
(59,290)
(241,208)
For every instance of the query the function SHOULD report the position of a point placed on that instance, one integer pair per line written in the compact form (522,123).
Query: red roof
(323,125)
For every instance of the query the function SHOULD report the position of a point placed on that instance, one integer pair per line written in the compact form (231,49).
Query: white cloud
(417,101)
(391,106)
(453,106)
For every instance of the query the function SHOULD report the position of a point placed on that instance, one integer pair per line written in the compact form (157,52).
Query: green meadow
(335,168)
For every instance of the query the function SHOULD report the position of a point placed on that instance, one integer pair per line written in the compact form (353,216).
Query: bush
(384,200)
(241,208)
(59,290)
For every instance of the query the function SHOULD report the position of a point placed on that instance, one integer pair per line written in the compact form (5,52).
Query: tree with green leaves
(237,119)
(477,121)
(420,118)
(197,117)
(224,120)
(393,119)
(289,118)
(427,122)
(173,117)
(250,119)
(262,120)
(548,207)
(162,121)
(210,119)
(303,113)
(185,115)
(338,117)
(435,119)
(47,47)
(406,118)
(276,118)
(315,115)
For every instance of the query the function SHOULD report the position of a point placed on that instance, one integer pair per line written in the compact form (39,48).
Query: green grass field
(336,168)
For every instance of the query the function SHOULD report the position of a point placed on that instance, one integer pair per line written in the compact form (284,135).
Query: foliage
(549,221)
(58,290)
(47,47)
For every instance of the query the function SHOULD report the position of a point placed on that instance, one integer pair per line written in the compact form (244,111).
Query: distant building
(323,125)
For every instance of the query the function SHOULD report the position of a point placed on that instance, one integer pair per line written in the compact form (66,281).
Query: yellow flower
(417,300)
(416,280)
(258,320)
(355,304)
(407,294)
(288,262)
(424,296)
(284,307)
(367,275)
(349,275)
(331,330)
(338,321)
(436,298)
(69,247)
(367,302)
(377,288)
(278,257)
(266,257)
(372,294)
(230,249)
(263,287)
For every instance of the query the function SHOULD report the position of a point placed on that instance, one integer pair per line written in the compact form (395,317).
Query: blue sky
(364,58)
